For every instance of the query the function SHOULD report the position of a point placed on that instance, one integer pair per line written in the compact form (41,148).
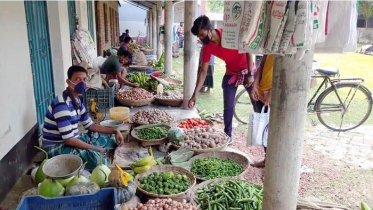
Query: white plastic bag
(258,128)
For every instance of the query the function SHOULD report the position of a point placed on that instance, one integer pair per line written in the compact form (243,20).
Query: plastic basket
(147,71)
(104,98)
(105,199)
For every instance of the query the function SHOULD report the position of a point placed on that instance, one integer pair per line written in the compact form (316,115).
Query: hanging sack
(233,14)
(258,128)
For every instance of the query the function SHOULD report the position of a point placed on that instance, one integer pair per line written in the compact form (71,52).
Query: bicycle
(343,106)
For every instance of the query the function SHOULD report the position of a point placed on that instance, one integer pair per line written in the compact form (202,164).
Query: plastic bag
(258,128)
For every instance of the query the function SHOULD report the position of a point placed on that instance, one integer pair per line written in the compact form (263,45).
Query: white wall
(60,42)
(17,107)
(81,12)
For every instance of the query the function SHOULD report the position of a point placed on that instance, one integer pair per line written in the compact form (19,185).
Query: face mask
(79,88)
(206,39)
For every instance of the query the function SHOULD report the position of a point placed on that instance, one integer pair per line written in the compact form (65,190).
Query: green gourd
(83,189)
(100,175)
(40,175)
(77,179)
(50,188)
(66,181)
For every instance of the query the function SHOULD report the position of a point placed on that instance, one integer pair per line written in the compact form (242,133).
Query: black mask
(206,39)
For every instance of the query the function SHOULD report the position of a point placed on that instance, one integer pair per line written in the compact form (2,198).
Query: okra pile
(152,133)
(211,168)
(232,194)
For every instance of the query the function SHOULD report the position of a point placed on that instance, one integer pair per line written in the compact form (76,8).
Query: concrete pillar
(168,37)
(147,27)
(154,31)
(60,42)
(150,28)
(81,13)
(159,23)
(291,84)
(190,58)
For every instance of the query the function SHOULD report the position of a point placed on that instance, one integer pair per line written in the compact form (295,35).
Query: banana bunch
(144,164)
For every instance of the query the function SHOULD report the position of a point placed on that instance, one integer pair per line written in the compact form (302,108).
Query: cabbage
(176,135)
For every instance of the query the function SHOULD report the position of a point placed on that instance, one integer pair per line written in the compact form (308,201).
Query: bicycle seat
(329,71)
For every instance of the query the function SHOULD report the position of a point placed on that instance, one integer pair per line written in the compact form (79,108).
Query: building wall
(365,35)
(107,25)
(18,112)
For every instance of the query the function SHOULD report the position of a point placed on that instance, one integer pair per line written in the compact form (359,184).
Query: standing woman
(239,68)
(209,81)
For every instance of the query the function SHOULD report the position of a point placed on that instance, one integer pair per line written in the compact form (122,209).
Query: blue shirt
(61,120)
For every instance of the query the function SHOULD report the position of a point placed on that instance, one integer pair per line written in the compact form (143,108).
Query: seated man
(126,44)
(60,130)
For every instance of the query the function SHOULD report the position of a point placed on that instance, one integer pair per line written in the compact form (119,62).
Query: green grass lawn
(351,65)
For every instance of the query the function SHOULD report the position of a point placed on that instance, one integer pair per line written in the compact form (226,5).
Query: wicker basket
(136,103)
(240,159)
(169,102)
(139,67)
(193,191)
(146,143)
(200,151)
(166,168)
(174,124)
(175,81)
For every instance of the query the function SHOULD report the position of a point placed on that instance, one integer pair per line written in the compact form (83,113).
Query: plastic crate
(104,98)
(105,199)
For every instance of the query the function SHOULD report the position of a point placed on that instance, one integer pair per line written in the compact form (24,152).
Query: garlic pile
(164,204)
(170,94)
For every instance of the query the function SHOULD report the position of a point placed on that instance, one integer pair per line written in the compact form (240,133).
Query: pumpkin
(83,188)
(125,194)
(119,178)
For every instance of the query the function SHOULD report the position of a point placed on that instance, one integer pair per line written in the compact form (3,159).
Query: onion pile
(134,94)
(164,204)
(151,116)
(170,94)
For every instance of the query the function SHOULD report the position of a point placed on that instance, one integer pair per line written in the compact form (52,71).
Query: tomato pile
(192,122)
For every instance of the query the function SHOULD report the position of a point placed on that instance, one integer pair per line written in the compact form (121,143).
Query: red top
(234,61)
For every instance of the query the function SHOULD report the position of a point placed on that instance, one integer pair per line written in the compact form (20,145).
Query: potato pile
(151,116)
(170,94)
(134,94)
(204,138)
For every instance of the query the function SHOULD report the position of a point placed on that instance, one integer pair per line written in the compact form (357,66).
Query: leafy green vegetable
(176,135)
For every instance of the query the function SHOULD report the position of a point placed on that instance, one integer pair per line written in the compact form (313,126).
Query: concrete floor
(25,182)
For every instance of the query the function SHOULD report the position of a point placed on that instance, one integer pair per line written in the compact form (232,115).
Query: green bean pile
(152,133)
(211,168)
(232,195)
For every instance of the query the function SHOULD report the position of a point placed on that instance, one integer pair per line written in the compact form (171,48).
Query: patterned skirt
(91,156)
(209,81)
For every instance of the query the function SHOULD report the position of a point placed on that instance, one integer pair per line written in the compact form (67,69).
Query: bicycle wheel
(354,110)
(242,107)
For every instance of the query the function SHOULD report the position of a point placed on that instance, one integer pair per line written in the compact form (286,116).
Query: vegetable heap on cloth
(290,28)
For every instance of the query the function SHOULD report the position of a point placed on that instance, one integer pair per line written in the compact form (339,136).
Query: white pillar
(190,58)
(148,27)
(291,84)
(154,33)
(159,23)
(151,27)
(81,13)
(60,42)
(168,37)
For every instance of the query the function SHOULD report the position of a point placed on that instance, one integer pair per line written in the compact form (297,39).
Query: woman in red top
(239,67)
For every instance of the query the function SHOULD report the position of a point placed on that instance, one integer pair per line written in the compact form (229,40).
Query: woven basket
(139,67)
(136,103)
(146,143)
(166,168)
(175,81)
(169,102)
(174,124)
(240,159)
(200,151)
(193,191)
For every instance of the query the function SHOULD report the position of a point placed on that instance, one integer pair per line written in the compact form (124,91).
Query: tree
(366,9)
(215,6)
